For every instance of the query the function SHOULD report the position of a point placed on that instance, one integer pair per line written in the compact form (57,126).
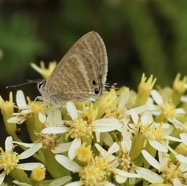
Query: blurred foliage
(18,45)
(140,35)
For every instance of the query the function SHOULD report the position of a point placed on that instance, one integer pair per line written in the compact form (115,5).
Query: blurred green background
(140,35)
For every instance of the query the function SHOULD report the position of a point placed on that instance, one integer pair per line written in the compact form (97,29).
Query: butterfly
(80,74)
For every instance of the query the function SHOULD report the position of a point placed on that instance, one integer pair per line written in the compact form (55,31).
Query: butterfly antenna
(114,85)
(22,84)
(108,85)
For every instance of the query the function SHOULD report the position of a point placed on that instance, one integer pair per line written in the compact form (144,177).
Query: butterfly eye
(40,84)
(97,91)
(94,82)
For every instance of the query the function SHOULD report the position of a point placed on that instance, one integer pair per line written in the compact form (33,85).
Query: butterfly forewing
(94,44)
(81,73)
(75,80)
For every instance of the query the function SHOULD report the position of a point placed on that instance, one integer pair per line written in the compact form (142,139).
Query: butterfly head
(41,85)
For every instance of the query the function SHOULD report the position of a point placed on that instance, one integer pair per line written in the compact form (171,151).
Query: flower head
(9,159)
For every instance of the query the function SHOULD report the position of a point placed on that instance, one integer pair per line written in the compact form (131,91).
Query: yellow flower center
(125,160)
(48,140)
(8,161)
(103,164)
(90,114)
(158,133)
(171,172)
(92,175)
(113,111)
(168,110)
(84,153)
(80,129)
(38,174)
(36,106)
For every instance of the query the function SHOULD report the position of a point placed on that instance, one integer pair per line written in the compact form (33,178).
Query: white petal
(106,125)
(20,100)
(72,150)
(114,148)
(152,161)
(24,144)
(54,118)
(42,117)
(147,118)
(167,129)
(158,146)
(108,139)
(29,152)
(102,151)
(75,183)
(108,184)
(2,176)
(184,99)
(171,138)
(60,181)
(177,123)
(28,166)
(123,98)
(180,111)
(182,159)
(21,183)
(127,140)
(55,130)
(62,147)
(148,175)
(134,116)
(8,143)
(72,110)
(108,154)
(163,159)
(157,97)
(140,109)
(177,182)
(184,138)
(154,110)
(25,112)
(120,179)
(126,174)
(67,163)
(98,136)
(13,120)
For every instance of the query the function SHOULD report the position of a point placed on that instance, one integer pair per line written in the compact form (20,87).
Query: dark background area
(141,36)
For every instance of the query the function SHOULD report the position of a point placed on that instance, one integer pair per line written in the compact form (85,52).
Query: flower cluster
(122,138)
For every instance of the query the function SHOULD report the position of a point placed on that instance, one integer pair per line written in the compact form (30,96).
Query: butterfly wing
(94,44)
(81,73)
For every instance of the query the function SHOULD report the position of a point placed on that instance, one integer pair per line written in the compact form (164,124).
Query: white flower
(130,171)
(79,128)
(85,178)
(156,133)
(172,173)
(14,158)
(21,116)
(120,175)
(167,109)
